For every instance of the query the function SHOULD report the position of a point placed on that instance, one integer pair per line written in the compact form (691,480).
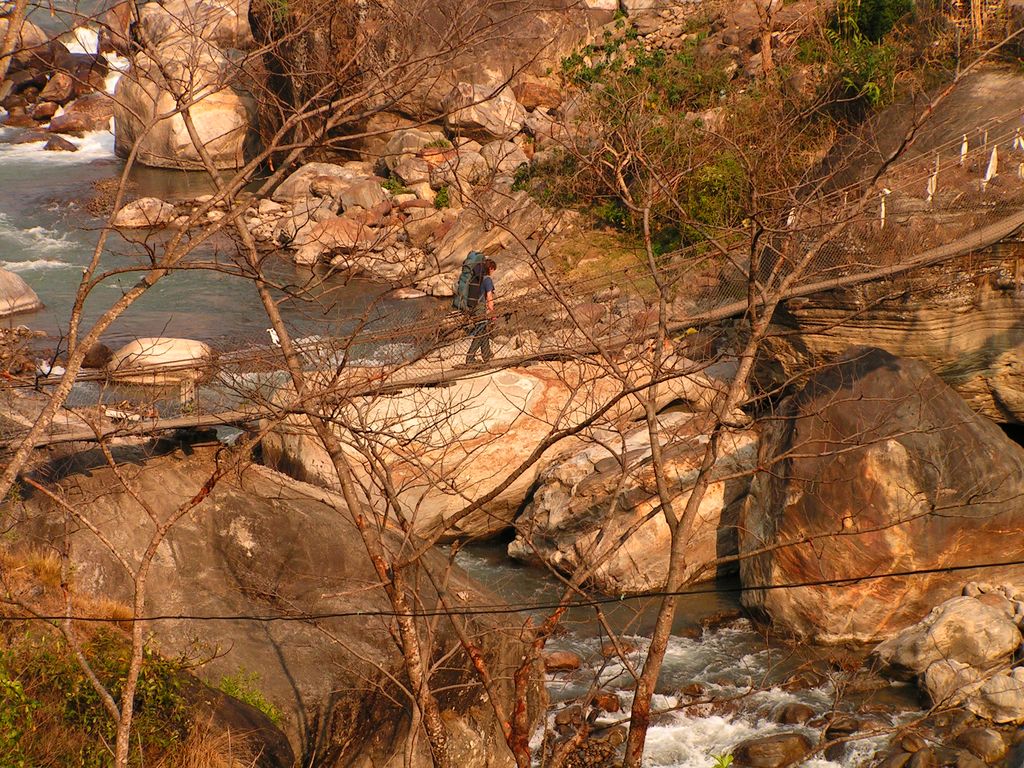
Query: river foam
(95,145)
(35,241)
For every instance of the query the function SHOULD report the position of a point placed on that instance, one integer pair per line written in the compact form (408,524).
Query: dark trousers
(481,334)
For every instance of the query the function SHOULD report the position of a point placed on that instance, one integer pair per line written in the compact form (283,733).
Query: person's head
(489,266)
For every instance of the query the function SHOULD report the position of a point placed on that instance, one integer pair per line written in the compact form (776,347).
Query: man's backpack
(467,287)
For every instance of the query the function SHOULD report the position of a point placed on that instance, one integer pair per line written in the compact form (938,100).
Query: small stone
(609,651)
(561,661)
(793,713)
(694,690)
(59,144)
(912,742)
(772,751)
(607,701)
(98,356)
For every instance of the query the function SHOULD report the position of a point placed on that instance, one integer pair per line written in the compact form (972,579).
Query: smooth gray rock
(259,545)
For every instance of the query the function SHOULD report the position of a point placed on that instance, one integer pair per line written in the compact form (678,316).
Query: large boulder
(963,629)
(1000,698)
(86,113)
(300,183)
(447,447)
(258,545)
(15,295)
(224,23)
(144,213)
(31,40)
(600,506)
(343,234)
(495,220)
(481,113)
(160,360)
(876,467)
(223,111)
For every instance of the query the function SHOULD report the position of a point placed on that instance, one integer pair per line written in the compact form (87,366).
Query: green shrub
(244,686)
(865,72)
(51,715)
(442,199)
(871,19)
(395,187)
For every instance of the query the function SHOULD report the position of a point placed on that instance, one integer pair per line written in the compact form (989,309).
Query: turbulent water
(731,662)
(47,235)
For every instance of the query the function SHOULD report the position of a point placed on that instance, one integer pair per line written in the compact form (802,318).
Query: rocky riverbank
(853,494)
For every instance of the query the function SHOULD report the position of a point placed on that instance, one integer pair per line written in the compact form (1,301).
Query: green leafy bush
(442,199)
(51,715)
(395,187)
(871,19)
(244,686)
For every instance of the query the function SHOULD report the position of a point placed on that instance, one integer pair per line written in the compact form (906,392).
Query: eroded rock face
(878,467)
(224,23)
(961,318)
(223,112)
(585,511)
(15,295)
(422,50)
(261,544)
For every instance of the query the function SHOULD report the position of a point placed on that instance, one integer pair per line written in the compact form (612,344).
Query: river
(47,234)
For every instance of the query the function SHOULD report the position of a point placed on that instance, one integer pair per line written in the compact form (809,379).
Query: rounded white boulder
(16,295)
(159,361)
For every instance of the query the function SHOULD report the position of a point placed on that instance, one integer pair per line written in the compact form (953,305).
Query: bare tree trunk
(9,44)
(766,12)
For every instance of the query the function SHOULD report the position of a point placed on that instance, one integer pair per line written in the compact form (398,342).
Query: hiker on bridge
(480,305)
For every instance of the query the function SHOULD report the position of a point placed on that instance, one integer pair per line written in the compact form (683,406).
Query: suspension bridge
(960,198)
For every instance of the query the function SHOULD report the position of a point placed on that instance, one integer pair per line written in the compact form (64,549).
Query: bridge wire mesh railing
(932,200)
